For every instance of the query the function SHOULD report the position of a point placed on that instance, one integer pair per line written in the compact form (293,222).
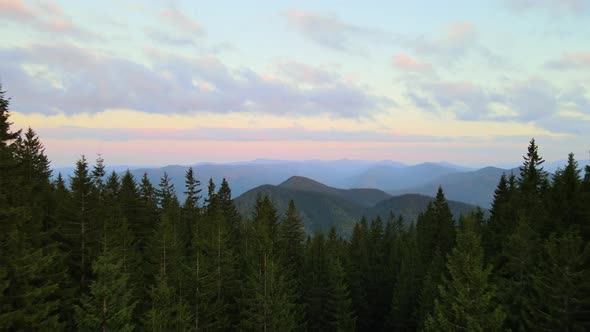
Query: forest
(110,252)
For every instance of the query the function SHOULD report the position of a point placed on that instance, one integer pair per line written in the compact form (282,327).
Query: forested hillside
(118,253)
(321,206)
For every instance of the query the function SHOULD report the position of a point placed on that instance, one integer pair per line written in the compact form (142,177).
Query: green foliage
(560,298)
(467,299)
(268,304)
(109,305)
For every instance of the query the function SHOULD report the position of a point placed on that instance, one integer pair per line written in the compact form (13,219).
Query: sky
(181,82)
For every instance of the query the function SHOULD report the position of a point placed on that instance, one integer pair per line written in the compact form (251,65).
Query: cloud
(235,134)
(529,100)
(164,37)
(552,6)
(179,30)
(53,78)
(303,73)
(44,17)
(407,63)
(456,39)
(181,22)
(328,31)
(467,100)
(533,99)
(575,60)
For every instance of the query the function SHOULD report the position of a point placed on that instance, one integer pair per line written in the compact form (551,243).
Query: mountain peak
(302,183)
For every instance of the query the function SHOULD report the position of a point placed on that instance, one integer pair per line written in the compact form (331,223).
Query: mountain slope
(318,210)
(475,187)
(411,205)
(363,196)
(322,206)
(386,177)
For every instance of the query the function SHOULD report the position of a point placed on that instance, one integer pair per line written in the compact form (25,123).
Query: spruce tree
(317,284)
(292,235)
(340,310)
(110,305)
(268,304)
(560,299)
(532,189)
(435,235)
(357,271)
(467,299)
(520,252)
(407,286)
(565,199)
(81,231)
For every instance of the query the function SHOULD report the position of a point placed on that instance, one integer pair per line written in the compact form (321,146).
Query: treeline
(115,253)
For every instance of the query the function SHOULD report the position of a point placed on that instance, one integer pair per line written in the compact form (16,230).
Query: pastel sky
(180,82)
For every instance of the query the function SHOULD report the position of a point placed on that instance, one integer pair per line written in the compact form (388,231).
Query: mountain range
(321,206)
(473,186)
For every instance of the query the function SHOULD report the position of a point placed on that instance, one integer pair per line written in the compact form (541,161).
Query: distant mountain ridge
(362,196)
(322,206)
(474,186)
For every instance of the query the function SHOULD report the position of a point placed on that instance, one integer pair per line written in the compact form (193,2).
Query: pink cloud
(181,21)
(460,33)
(15,9)
(44,17)
(408,63)
(304,73)
(573,60)
(327,31)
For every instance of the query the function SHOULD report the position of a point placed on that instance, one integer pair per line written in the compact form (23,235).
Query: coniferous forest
(110,252)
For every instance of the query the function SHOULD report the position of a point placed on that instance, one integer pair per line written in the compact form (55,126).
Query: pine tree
(268,304)
(169,311)
(340,311)
(8,161)
(561,286)
(292,235)
(317,284)
(109,306)
(81,232)
(357,271)
(31,267)
(148,216)
(501,221)
(467,299)
(230,213)
(406,290)
(515,277)
(532,187)
(565,200)
(435,235)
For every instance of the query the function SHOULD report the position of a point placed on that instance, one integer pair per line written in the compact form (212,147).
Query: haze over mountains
(469,185)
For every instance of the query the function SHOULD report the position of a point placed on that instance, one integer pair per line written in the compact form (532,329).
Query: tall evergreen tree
(341,313)
(406,290)
(565,199)
(109,306)
(81,231)
(435,235)
(318,285)
(532,186)
(292,235)
(561,286)
(357,271)
(269,302)
(467,299)
(515,277)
